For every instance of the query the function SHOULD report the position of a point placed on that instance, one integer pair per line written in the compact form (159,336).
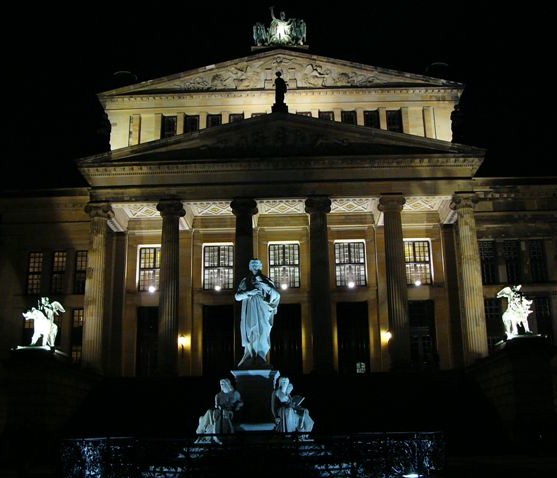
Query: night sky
(59,59)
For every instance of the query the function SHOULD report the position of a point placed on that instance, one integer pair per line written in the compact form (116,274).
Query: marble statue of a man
(260,299)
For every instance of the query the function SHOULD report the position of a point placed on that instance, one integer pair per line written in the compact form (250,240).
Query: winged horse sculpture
(518,309)
(43,321)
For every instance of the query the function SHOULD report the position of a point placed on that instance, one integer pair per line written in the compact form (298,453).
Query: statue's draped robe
(257,317)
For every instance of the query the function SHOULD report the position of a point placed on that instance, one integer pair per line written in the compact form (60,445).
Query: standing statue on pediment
(260,36)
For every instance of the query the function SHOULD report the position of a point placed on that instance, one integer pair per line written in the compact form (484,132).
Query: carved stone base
(256,388)
(279,108)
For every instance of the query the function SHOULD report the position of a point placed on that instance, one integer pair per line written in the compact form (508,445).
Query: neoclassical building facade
(388,249)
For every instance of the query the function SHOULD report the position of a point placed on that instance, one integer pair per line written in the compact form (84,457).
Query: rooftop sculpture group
(281,31)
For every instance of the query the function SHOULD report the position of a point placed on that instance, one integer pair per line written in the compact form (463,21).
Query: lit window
(168,126)
(218,267)
(34,272)
(304,113)
(57,279)
(77,334)
(418,262)
(284,265)
(149,268)
(350,264)
(80,272)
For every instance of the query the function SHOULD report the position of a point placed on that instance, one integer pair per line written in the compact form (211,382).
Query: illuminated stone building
(356,200)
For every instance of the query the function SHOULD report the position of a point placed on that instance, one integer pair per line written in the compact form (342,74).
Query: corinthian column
(171,210)
(471,293)
(243,209)
(322,330)
(397,291)
(95,287)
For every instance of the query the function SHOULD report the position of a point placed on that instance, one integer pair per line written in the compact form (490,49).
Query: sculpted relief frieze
(299,72)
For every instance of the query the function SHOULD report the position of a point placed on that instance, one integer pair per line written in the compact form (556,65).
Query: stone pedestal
(256,388)
(41,391)
(517,380)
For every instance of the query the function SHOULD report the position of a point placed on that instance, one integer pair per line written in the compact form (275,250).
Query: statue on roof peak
(281,31)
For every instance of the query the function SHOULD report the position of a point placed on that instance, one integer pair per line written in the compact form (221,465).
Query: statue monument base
(279,108)
(256,388)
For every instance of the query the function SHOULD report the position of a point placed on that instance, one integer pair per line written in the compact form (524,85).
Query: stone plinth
(256,388)
(517,380)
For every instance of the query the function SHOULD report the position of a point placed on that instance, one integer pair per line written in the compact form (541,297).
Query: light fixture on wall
(151,289)
(218,280)
(350,278)
(184,341)
(416,276)
(284,278)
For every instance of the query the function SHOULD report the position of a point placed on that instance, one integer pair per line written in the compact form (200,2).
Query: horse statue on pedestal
(518,309)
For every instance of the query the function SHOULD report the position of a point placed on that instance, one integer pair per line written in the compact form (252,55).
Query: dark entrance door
(147,341)
(286,340)
(423,347)
(353,338)
(218,340)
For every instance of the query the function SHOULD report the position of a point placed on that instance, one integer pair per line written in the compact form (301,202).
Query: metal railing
(357,455)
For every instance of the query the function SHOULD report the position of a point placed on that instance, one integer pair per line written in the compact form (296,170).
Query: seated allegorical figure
(218,420)
(289,415)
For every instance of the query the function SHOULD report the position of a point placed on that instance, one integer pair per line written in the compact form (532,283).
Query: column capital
(243,206)
(99,209)
(463,200)
(318,204)
(171,207)
(391,202)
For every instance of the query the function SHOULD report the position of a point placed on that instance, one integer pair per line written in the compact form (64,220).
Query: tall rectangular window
(77,334)
(191,123)
(34,272)
(394,120)
(488,258)
(168,126)
(149,268)
(513,262)
(80,272)
(350,263)
(214,120)
(494,322)
(348,117)
(418,262)
(284,265)
(57,279)
(371,119)
(235,117)
(218,267)
(541,308)
(536,260)
(327,115)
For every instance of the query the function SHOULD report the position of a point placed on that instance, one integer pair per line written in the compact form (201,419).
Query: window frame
(343,268)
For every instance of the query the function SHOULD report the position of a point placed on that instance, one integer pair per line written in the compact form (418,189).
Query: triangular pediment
(283,135)
(302,71)
(281,146)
